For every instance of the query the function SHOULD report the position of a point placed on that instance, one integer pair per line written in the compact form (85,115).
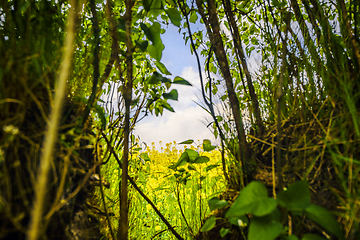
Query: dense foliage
(291,123)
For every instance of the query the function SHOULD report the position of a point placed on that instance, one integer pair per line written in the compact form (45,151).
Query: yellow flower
(148,207)
(157,228)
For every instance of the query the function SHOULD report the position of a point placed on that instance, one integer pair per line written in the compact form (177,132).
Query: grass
(184,204)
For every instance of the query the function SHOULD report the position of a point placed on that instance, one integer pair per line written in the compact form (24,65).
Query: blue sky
(189,120)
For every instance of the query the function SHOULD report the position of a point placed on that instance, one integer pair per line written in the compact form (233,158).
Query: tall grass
(184,204)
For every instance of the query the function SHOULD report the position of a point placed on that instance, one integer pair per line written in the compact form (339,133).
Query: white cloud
(189,123)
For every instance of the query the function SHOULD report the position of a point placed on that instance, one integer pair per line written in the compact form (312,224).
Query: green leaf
(122,36)
(191,167)
(173,95)
(145,157)
(213,68)
(182,160)
(325,219)
(296,197)
(192,154)
(121,24)
(216,203)
(155,30)
(180,80)
(152,4)
(146,4)
(252,199)
(264,228)
(165,80)
(193,17)
(208,168)
(207,145)
(156,12)
(202,159)
(153,33)
(223,232)
(147,32)
(311,236)
(254,41)
(142,45)
(154,79)
(156,51)
(174,16)
(167,106)
(190,141)
(209,224)
(162,68)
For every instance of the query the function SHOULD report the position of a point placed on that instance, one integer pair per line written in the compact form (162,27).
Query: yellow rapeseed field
(182,202)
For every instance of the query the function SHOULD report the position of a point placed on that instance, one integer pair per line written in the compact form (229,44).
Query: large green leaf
(142,45)
(156,12)
(325,219)
(202,159)
(209,224)
(156,51)
(147,32)
(166,81)
(173,95)
(182,160)
(296,197)
(153,34)
(264,228)
(146,4)
(167,106)
(216,203)
(162,68)
(252,199)
(192,154)
(155,30)
(207,145)
(180,80)
(174,16)
(152,4)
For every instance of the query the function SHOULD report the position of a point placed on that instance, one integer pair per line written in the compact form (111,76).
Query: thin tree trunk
(127,92)
(216,41)
(240,52)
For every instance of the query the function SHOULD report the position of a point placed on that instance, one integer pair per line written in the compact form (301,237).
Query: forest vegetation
(71,167)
